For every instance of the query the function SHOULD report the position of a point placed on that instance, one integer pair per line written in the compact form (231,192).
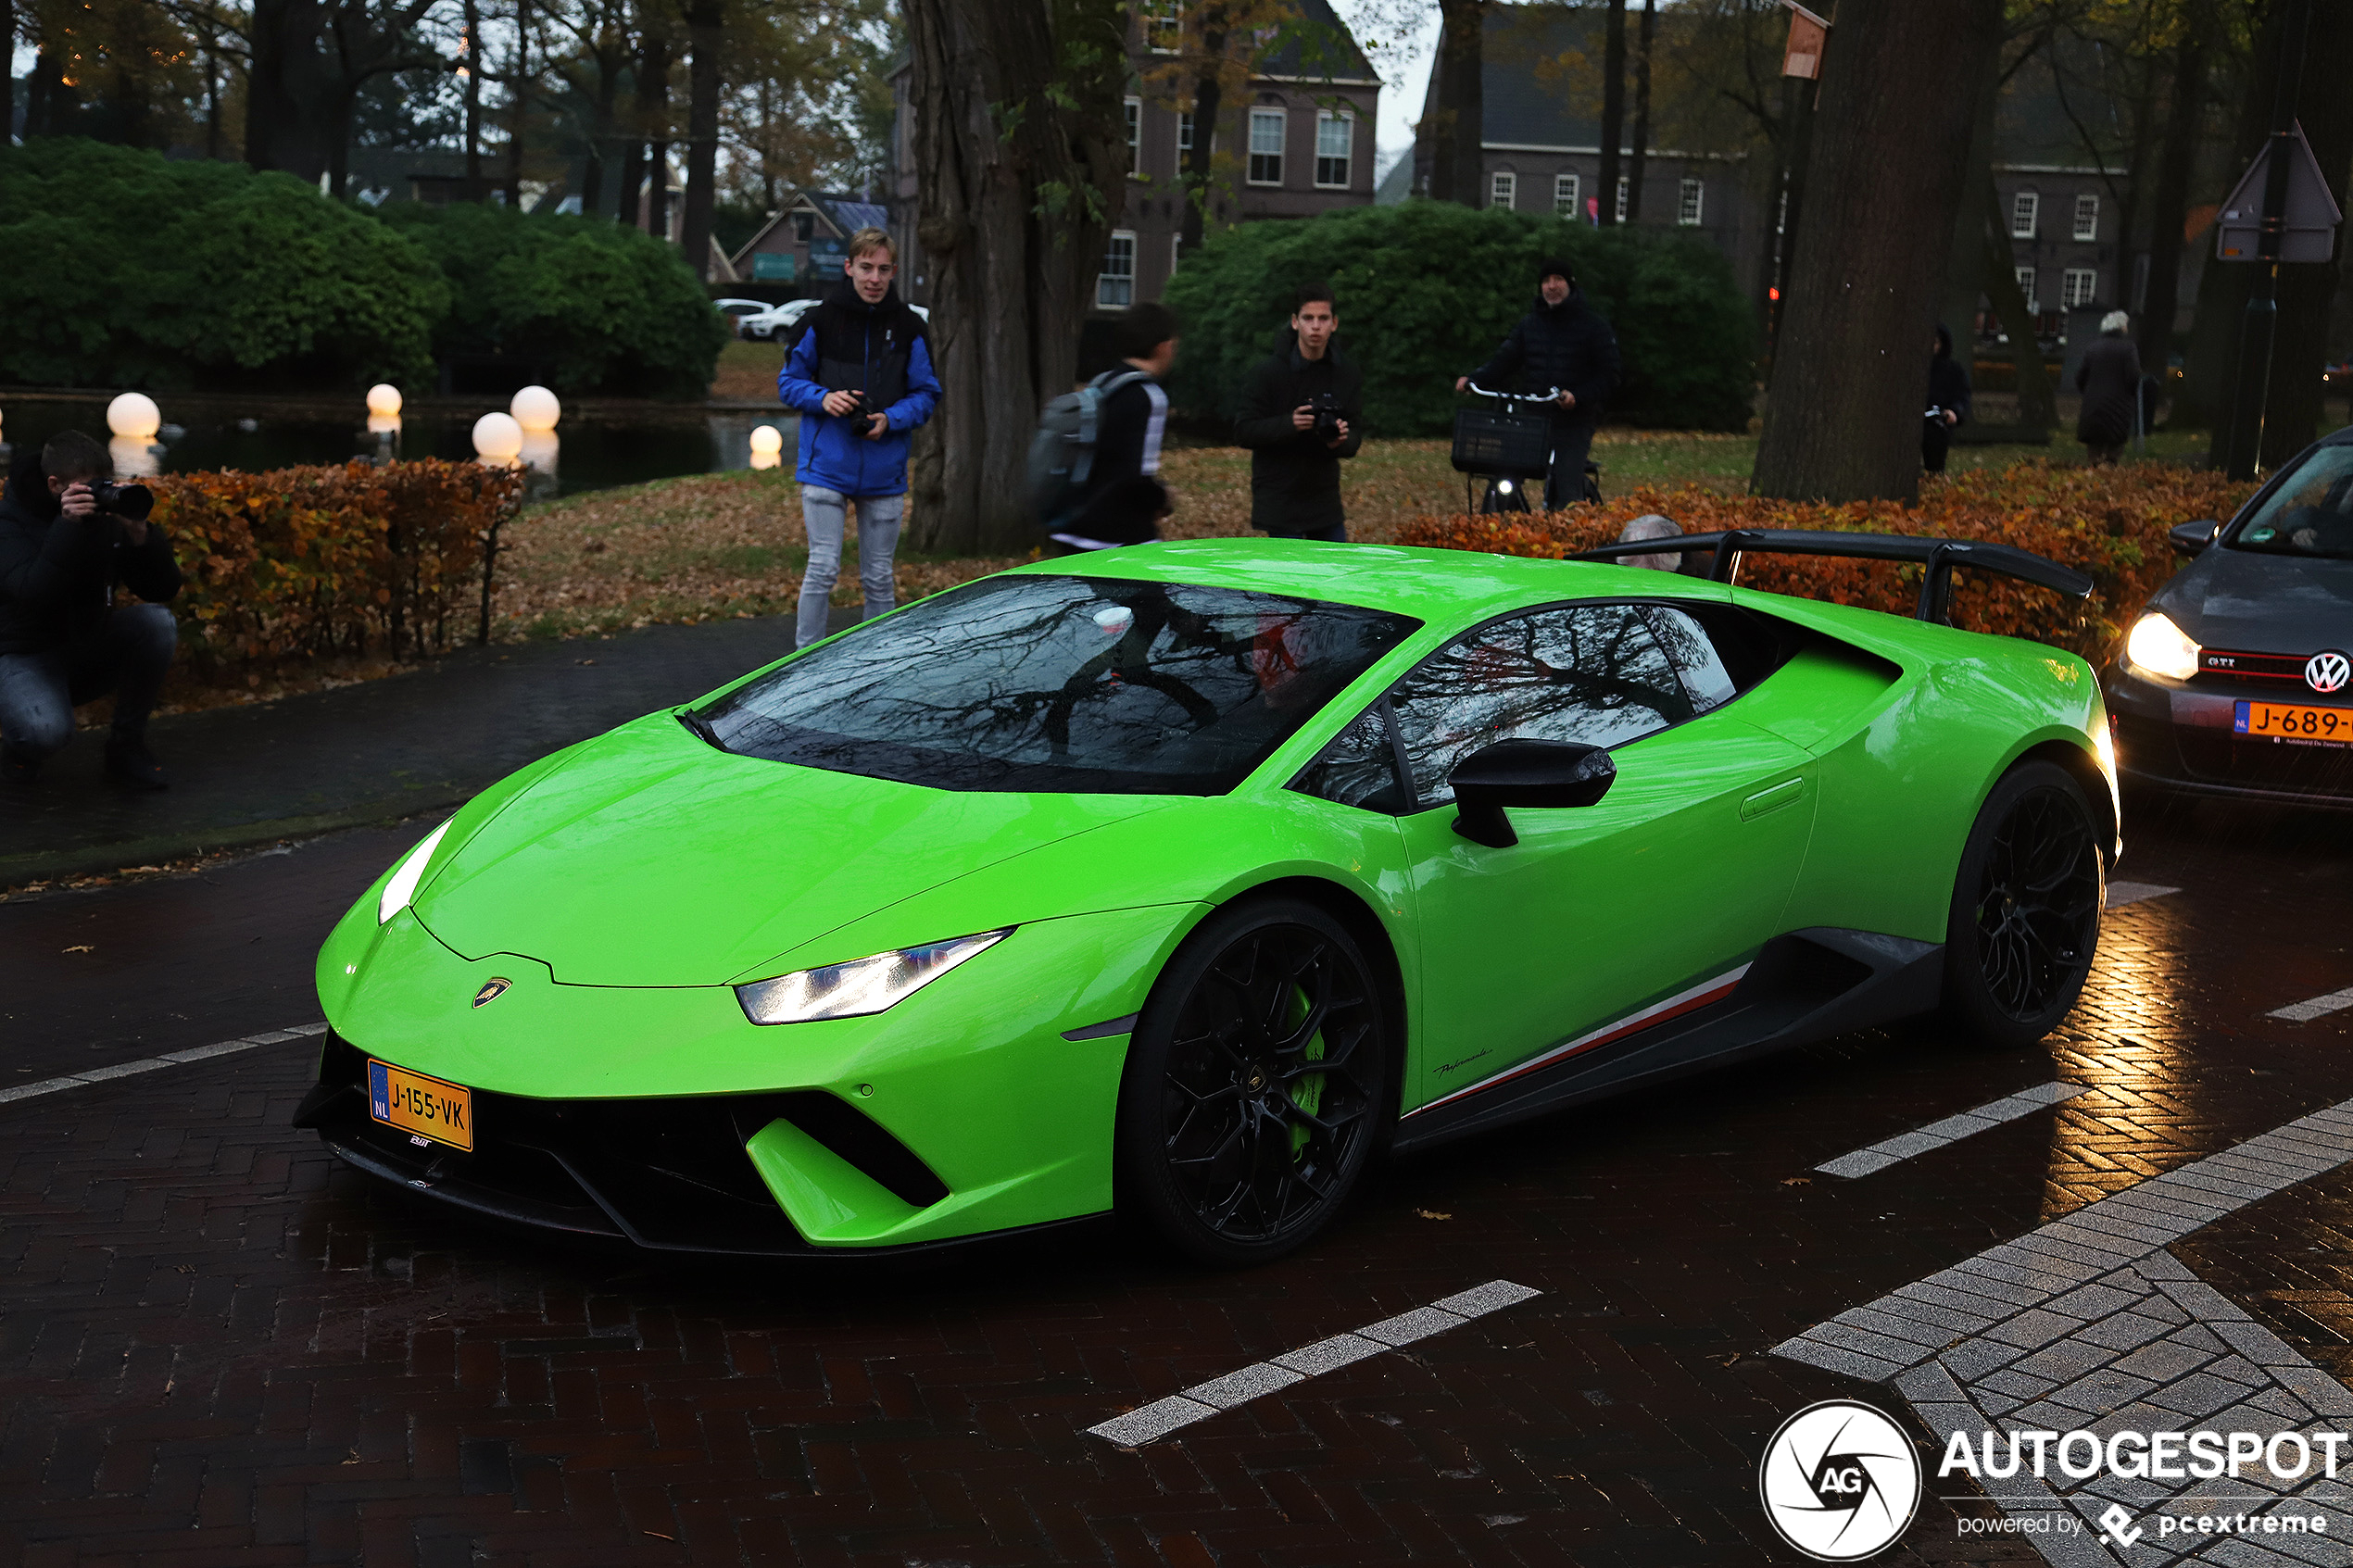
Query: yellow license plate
(419,1106)
(2294,720)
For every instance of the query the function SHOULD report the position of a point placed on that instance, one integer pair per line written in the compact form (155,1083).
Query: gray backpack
(1063,452)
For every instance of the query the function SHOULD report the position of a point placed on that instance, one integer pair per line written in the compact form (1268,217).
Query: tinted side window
(1695,658)
(1359,768)
(1591,674)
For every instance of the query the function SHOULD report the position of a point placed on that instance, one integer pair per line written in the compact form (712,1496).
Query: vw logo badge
(492,992)
(1840,1481)
(2327,671)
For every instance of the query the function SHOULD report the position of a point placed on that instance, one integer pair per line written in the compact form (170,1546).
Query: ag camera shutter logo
(1839,1481)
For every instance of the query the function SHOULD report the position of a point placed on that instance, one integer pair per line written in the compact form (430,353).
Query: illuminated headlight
(2158,646)
(412,871)
(861,986)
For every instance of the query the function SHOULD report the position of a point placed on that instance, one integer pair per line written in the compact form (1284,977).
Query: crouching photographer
(69,536)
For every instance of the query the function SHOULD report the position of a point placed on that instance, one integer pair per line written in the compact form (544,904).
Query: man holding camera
(69,538)
(1299,417)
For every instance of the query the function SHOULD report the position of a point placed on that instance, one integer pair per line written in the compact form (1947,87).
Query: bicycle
(1509,449)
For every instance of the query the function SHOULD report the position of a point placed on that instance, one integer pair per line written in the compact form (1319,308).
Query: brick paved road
(217,1346)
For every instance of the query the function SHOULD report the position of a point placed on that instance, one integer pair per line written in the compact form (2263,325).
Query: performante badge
(2327,671)
(492,992)
(1840,1481)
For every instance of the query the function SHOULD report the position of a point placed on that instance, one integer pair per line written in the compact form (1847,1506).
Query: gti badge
(2327,671)
(493,991)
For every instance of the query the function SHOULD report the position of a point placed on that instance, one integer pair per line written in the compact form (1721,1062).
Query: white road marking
(1149,1423)
(2318,1007)
(2122,893)
(1936,1135)
(153,1063)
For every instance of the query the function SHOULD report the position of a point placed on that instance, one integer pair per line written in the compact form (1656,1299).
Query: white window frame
(1175,251)
(1110,279)
(1162,24)
(1568,197)
(1690,202)
(1134,109)
(1280,120)
(2079,285)
(1502,189)
(1624,195)
(1184,134)
(2087,216)
(2026,286)
(2026,212)
(1346,160)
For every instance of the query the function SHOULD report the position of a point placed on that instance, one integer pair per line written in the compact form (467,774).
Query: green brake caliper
(1308,1093)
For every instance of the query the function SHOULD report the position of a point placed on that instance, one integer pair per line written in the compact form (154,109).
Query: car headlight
(2158,646)
(861,986)
(412,871)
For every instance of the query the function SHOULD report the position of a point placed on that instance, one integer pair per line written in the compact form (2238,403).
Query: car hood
(2262,604)
(652,858)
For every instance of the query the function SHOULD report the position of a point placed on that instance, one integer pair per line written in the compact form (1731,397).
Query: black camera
(133,501)
(1328,411)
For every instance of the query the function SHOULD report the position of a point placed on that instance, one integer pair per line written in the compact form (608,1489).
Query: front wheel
(1256,1084)
(2025,918)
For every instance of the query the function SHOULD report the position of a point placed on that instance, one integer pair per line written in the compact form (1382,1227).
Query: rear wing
(1938,556)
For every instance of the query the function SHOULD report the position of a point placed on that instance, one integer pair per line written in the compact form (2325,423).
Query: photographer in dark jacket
(67,539)
(1948,402)
(1299,415)
(1561,342)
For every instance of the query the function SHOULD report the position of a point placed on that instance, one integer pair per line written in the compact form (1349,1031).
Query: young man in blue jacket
(860,376)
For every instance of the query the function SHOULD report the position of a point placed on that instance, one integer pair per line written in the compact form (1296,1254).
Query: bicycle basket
(1506,446)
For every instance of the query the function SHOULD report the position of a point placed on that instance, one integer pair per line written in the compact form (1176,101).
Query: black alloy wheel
(1256,1091)
(2025,920)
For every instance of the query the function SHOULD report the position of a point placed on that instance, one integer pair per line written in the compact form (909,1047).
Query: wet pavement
(218,1347)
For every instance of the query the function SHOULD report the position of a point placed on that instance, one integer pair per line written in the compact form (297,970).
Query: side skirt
(1802,986)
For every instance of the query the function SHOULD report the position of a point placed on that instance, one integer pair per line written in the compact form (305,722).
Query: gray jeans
(824,513)
(126,653)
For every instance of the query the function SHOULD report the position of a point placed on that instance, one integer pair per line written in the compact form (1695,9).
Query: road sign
(2307,224)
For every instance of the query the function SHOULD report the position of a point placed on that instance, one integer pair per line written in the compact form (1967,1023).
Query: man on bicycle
(1562,342)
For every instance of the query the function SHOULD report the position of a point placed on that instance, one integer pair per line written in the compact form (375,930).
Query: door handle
(1786,792)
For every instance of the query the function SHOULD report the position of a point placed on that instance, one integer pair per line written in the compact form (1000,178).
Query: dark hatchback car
(2237,676)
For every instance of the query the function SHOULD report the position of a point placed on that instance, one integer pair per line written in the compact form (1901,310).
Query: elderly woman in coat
(2110,380)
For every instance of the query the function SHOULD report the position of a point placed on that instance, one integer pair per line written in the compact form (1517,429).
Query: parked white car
(778,321)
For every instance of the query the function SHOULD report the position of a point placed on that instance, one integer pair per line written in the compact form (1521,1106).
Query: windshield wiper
(701,727)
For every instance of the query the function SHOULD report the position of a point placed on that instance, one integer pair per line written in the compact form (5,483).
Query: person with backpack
(1096,461)
(860,376)
(1300,415)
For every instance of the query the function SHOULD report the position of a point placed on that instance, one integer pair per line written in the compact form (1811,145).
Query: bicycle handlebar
(1551,397)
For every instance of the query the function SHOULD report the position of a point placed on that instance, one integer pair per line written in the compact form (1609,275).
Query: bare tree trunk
(1965,278)
(1457,158)
(519,103)
(1018,190)
(1642,110)
(473,100)
(1844,419)
(706,27)
(2168,205)
(2037,409)
(1613,107)
(8,76)
(1209,91)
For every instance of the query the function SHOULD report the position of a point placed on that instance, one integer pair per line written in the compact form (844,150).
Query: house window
(2026,286)
(804,226)
(1625,191)
(1185,131)
(1175,251)
(2087,217)
(1335,134)
(1265,147)
(2025,207)
(2078,286)
(1564,196)
(1135,109)
(1688,204)
(1163,25)
(1502,189)
(1115,284)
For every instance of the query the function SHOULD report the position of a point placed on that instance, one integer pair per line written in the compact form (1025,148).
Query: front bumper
(2181,738)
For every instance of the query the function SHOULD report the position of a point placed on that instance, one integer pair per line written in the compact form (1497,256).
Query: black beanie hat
(1556,266)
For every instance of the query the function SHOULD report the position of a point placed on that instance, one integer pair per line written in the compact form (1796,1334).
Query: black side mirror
(2191,539)
(1524,773)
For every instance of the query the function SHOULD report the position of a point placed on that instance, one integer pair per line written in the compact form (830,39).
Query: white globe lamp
(497,438)
(767,441)
(134,415)
(536,407)
(383,400)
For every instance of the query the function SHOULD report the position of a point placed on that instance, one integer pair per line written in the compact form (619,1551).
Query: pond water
(589,452)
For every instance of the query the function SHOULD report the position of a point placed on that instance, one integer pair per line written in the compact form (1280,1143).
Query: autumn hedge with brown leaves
(2109,523)
(339,561)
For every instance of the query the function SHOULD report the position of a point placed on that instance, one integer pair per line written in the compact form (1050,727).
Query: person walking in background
(1948,402)
(860,376)
(1300,415)
(2109,379)
(1124,499)
(1562,342)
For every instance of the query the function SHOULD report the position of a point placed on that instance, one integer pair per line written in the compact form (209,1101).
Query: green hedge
(604,308)
(127,269)
(1426,289)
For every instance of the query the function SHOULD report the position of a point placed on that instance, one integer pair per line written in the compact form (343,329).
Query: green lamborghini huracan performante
(1192,878)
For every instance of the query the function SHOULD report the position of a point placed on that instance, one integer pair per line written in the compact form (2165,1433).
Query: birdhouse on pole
(1807,34)
(2308,220)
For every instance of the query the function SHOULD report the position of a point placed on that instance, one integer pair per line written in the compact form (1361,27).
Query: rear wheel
(2026,909)
(1256,1084)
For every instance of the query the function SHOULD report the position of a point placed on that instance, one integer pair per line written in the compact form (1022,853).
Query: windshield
(1077,685)
(2311,513)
